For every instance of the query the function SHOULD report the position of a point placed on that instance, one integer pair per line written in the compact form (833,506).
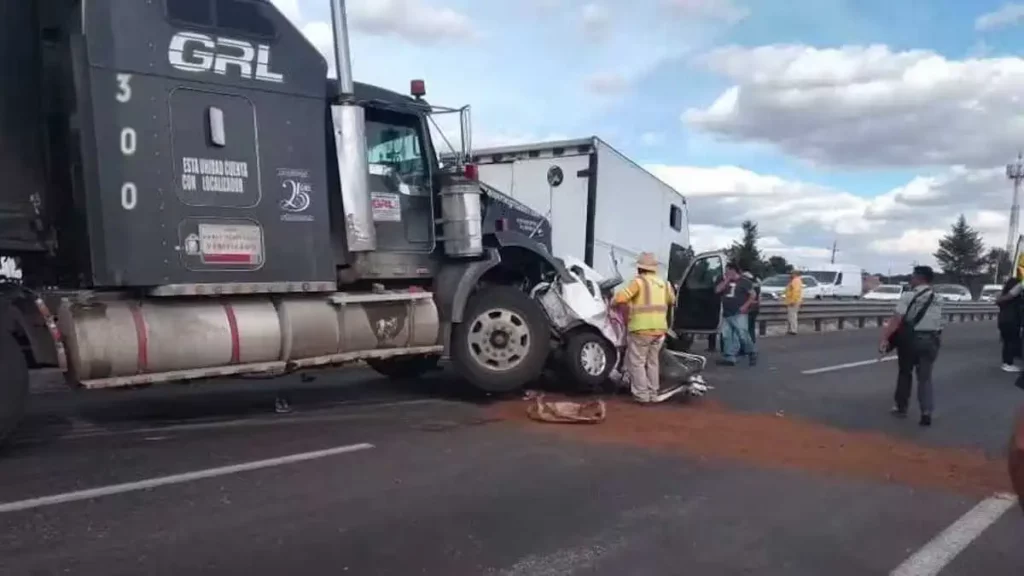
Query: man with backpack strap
(915,331)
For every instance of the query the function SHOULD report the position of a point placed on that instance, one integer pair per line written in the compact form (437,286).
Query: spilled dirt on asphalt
(708,430)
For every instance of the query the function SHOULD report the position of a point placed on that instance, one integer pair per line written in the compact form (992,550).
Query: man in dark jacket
(752,315)
(1010,325)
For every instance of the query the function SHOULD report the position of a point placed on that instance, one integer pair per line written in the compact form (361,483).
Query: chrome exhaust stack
(349,122)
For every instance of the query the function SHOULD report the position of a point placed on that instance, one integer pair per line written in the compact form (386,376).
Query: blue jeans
(736,337)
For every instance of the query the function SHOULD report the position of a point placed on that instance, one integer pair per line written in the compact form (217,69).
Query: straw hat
(648,262)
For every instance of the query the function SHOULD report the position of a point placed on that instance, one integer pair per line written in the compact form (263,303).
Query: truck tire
(404,366)
(504,341)
(589,358)
(13,384)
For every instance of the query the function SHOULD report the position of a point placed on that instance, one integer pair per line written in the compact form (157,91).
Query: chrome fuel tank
(120,342)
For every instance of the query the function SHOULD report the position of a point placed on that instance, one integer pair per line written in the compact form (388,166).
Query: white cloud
(608,84)
(1008,15)
(652,138)
(723,10)
(596,22)
(412,20)
(800,220)
(868,105)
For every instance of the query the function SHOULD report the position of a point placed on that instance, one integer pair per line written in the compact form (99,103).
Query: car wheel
(589,358)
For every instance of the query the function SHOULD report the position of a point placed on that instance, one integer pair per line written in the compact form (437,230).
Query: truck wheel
(503,341)
(13,384)
(589,358)
(403,366)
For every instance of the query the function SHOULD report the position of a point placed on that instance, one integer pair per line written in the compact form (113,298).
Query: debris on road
(566,411)
(710,431)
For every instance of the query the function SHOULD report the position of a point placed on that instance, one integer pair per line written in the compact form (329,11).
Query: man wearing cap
(648,298)
(915,329)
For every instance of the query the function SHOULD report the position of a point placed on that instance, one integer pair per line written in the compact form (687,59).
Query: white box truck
(597,201)
(838,280)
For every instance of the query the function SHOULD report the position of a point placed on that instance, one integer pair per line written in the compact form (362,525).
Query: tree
(997,263)
(745,253)
(777,265)
(961,251)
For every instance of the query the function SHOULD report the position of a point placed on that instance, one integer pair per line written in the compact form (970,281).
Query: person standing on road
(915,331)
(737,298)
(1010,325)
(649,298)
(756,307)
(793,297)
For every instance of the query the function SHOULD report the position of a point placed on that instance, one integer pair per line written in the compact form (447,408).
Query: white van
(838,280)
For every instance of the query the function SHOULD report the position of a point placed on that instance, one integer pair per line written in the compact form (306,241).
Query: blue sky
(872,123)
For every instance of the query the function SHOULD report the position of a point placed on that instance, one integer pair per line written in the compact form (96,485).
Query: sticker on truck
(387,207)
(230,244)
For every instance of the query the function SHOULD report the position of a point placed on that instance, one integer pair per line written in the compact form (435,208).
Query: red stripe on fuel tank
(236,345)
(142,340)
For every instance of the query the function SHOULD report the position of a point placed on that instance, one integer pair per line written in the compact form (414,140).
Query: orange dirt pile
(707,430)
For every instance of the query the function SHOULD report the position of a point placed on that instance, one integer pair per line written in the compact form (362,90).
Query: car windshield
(888,290)
(826,276)
(777,280)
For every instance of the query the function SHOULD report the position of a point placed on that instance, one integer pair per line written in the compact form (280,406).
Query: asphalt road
(425,479)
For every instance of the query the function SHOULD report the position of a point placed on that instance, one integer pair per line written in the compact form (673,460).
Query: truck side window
(199,12)
(245,16)
(839,279)
(395,153)
(675,217)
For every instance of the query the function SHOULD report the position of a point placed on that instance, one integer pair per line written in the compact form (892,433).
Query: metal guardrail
(827,316)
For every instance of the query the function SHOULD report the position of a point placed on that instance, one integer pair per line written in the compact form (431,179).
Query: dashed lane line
(848,365)
(941,550)
(177,478)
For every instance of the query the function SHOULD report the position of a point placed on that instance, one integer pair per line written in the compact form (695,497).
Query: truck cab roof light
(418,88)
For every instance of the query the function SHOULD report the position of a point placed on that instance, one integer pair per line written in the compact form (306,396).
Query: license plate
(231,244)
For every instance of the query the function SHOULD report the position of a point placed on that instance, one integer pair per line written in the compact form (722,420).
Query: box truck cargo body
(597,200)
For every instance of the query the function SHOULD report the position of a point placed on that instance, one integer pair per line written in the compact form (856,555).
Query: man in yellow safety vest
(648,298)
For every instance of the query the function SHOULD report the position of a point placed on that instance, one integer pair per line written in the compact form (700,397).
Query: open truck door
(698,308)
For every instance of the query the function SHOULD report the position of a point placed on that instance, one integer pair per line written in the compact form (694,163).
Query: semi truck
(188,196)
(598,201)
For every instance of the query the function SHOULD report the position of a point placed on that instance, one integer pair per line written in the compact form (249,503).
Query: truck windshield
(395,154)
(824,276)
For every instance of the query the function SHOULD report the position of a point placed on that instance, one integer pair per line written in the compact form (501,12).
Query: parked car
(885,292)
(773,287)
(953,292)
(989,292)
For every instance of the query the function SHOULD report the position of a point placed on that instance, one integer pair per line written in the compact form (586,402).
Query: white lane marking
(87,430)
(849,365)
(176,478)
(942,549)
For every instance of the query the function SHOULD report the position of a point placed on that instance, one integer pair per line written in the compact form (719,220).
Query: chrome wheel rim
(499,339)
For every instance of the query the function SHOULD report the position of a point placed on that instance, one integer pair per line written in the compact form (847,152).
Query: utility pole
(1015,172)
(834,243)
